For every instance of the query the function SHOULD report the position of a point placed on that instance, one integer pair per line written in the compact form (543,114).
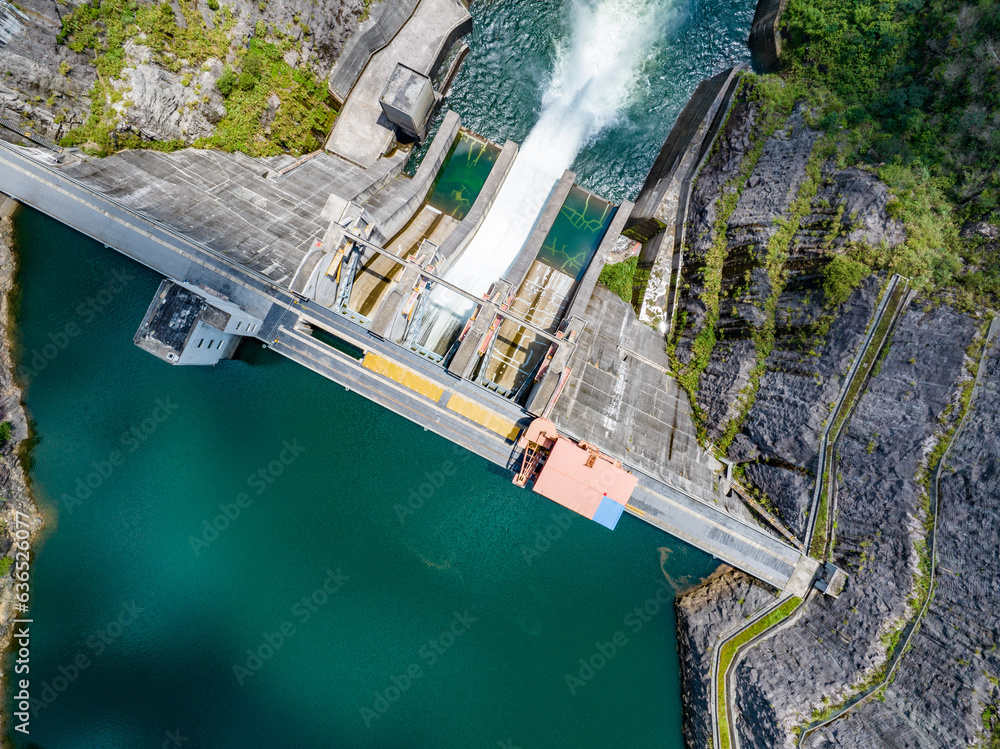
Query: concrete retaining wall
(409,194)
(386,19)
(765,39)
(530,250)
(661,209)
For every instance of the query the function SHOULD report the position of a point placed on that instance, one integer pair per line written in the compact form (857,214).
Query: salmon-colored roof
(567,479)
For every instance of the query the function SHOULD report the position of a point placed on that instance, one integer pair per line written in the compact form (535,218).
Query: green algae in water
(577,232)
(463,175)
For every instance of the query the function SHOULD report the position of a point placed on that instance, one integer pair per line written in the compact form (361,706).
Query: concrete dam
(464,298)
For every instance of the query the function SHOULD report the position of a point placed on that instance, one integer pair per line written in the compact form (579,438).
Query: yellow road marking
(405,377)
(486,418)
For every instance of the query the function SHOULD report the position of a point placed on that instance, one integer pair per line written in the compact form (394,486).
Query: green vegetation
(299,122)
(991,727)
(729,652)
(6,432)
(5,565)
(911,88)
(619,277)
(104,27)
(840,277)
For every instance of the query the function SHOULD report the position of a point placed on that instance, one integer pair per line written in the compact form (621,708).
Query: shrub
(226,83)
(618,277)
(213,4)
(840,277)
(5,565)
(6,432)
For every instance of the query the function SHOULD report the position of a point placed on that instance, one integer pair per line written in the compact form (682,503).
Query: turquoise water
(420,530)
(463,175)
(142,608)
(514,44)
(576,233)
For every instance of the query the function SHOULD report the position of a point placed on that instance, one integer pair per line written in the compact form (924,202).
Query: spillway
(596,70)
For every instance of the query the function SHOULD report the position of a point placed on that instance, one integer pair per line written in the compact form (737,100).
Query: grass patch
(619,277)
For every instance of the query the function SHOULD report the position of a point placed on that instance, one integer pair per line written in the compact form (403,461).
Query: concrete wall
(684,136)
(530,250)
(765,39)
(661,208)
(386,19)
(405,197)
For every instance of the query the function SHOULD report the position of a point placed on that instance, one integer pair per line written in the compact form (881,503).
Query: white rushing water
(596,70)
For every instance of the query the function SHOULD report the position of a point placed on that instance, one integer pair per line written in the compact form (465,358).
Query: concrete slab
(362,133)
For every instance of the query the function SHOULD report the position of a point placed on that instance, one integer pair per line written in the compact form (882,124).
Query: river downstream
(250,556)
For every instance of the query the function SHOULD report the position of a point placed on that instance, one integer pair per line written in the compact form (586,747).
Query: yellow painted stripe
(484,417)
(405,377)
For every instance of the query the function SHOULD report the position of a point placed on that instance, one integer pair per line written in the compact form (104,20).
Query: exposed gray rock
(704,614)
(788,489)
(975,229)
(879,515)
(742,450)
(163,105)
(41,96)
(943,683)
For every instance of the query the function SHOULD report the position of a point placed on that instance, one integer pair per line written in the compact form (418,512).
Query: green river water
(249,556)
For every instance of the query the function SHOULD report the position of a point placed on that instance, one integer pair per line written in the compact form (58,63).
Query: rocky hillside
(778,292)
(225,73)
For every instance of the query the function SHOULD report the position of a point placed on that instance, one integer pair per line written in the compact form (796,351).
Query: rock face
(814,344)
(946,680)
(912,399)
(704,614)
(879,517)
(159,105)
(45,87)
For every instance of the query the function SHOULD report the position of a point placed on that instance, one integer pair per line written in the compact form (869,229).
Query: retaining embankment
(386,19)
(765,36)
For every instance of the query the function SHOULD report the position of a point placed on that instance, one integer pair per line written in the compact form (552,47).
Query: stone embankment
(17,508)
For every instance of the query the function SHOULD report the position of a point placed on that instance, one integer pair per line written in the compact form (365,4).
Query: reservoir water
(249,556)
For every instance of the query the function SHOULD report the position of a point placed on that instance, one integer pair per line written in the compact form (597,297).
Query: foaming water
(596,70)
